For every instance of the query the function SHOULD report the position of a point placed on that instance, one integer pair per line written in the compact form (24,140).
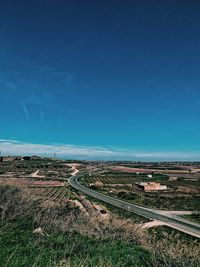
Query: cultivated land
(45,222)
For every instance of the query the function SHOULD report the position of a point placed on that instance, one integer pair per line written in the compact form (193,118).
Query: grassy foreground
(20,247)
(68,238)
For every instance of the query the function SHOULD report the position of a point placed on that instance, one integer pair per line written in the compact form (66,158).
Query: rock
(38,231)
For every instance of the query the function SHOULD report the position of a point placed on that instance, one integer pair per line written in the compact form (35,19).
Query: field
(48,169)
(182,193)
(69,238)
(44,222)
(53,194)
(65,249)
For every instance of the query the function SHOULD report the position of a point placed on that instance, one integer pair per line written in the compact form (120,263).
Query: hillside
(50,224)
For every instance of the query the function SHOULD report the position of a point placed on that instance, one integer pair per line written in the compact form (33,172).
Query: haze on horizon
(100,79)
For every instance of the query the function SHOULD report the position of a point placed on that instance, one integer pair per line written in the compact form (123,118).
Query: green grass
(79,242)
(20,247)
(162,201)
(193,217)
(169,234)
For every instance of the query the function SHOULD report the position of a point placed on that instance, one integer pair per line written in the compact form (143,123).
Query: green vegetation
(169,234)
(20,247)
(193,217)
(162,201)
(123,178)
(123,214)
(48,169)
(182,194)
(68,238)
(57,245)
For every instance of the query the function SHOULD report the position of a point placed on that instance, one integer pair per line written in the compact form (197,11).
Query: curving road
(172,221)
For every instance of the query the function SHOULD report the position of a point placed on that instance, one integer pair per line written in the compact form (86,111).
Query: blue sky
(117,76)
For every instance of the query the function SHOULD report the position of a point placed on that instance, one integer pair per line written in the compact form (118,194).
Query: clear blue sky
(120,75)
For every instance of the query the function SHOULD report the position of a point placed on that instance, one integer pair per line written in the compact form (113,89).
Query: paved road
(175,222)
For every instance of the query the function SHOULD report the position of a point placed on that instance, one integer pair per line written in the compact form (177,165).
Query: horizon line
(14,147)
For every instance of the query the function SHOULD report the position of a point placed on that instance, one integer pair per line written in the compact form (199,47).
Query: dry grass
(66,217)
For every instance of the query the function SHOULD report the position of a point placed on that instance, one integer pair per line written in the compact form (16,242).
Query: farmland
(34,233)
(40,211)
(183,187)
(48,169)
(53,194)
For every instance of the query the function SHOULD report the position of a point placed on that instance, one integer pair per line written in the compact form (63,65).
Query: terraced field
(51,193)
(122,178)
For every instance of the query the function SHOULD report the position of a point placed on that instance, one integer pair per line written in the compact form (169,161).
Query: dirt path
(78,204)
(159,223)
(35,174)
(73,166)
(152,224)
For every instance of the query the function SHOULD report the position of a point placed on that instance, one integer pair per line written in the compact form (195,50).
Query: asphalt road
(172,221)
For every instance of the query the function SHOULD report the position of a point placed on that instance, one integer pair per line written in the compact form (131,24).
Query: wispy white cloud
(41,115)
(25,109)
(37,86)
(14,147)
